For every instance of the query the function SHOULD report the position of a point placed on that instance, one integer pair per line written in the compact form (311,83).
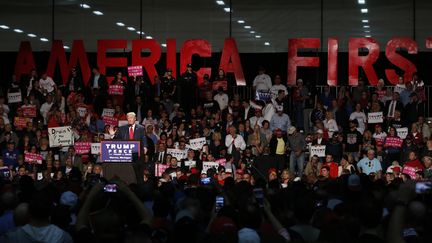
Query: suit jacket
(139,134)
(399,107)
(273,143)
(102,83)
(251,113)
(157,155)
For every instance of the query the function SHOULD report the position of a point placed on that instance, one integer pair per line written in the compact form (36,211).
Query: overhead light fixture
(149,37)
(252,32)
(18,30)
(220,3)
(257,36)
(97,12)
(83,5)
(366,26)
(365,21)
(164,45)
(227,10)
(5,27)
(368,36)
(364,10)
(367,31)
(361,1)
(240,21)
(120,24)
(247,27)
(44,39)
(66,47)
(140,32)
(131,28)
(266,43)
(31,35)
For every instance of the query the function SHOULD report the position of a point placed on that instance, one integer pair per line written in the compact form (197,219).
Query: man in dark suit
(97,90)
(392,105)
(247,112)
(160,155)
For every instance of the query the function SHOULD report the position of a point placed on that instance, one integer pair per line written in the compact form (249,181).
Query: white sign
(60,136)
(177,153)
(375,117)
(208,164)
(190,163)
(402,132)
(14,97)
(95,148)
(197,143)
(108,112)
(82,111)
(318,150)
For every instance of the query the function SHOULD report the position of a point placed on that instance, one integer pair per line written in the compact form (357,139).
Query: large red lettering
(171,58)
(366,61)
(190,48)
(25,60)
(295,61)
(78,55)
(408,67)
(149,61)
(230,61)
(332,63)
(103,61)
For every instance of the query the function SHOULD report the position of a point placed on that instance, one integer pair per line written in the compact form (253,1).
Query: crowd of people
(299,163)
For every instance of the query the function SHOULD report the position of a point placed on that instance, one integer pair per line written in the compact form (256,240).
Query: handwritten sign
(21,122)
(217,84)
(263,95)
(402,132)
(159,169)
(134,71)
(82,111)
(32,158)
(209,164)
(318,150)
(120,151)
(375,117)
(197,143)
(108,120)
(95,148)
(60,136)
(115,90)
(108,112)
(177,153)
(14,97)
(393,142)
(82,147)
(29,110)
(411,171)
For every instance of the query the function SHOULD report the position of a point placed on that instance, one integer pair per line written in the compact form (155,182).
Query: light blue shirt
(404,96)
(283,122)
(368,166)
(95,81)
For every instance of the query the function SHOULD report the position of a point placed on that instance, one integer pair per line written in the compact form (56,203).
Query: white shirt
(47,84)
(331,126)
(361,118)
(380,136)
(45,108)
(238,142)
(255,120)
(275,90)
(222,100)
(268,111)
(262,82)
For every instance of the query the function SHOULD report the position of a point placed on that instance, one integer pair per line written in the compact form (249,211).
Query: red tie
(131,133)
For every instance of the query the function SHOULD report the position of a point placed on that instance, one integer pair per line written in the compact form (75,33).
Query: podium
(124,171)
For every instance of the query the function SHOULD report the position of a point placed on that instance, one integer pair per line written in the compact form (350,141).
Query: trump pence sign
(120,151)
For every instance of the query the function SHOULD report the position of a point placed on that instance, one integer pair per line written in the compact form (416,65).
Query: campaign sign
(177,153)
(115,90)
(32,158)
(108,112)
(411,171)
(402,132)
(375,117)
(159,169)
(134,71)
(21,122)
(120,151)
(318,150)
(29,110)
(60,136)
(108,120)
(197,143)
(221,162)
(82,111)
(217,84)
(190,163)
(82,147)
(263,95)
(14,97)
(208,165)
(393,142)
(95,148)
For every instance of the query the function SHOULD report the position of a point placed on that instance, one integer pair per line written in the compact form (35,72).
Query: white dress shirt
(238,142)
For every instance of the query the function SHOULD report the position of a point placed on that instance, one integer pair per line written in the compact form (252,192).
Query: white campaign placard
(190,163)
(82,111)
(318,150)
(14,97)
(375,117)
(402,132)
(197,143)
(177,153)
(60,136)
(108,112)
(95,148)
(209,164)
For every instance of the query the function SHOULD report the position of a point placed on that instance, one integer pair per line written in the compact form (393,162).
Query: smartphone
(110,188)
(259,196)
(219,203)
(205,180)
(39,176)
(423,187)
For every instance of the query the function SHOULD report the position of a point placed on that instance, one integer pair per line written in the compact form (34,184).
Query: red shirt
(415,164)
(334,169)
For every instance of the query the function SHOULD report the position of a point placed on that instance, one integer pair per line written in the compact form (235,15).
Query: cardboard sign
(60,136)
(208,165)
(108,112)
(29,110)
(115,90)
(95,148)
(134,71)
(32,158)
(82,111)
(177,153)
(120,151)
(318,150)
(14,97)
(402,132)
(411,171)
(375,117)
(82,147)
(393,142)
(263,95)
(108,120)
(159,169)
(217,84)
(21,122)
(197,143)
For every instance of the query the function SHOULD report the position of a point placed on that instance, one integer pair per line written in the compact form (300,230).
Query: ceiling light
(365,21)
(367,31)
(220,2)
(5,27)
(18,30)
(368,36)
(44,39)
(131,28)
(66,47)
(266,43)
(149,37)
(227,10)
(140,32)
(257,36)
(364,10)
(83,5)
(361,1)
(247,27)
(120,24)
(252,31)
(98,12)
(31,35)
(164,45)
(366,26)
(240,21)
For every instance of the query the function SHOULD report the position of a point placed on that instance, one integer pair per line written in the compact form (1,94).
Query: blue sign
(120,151)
